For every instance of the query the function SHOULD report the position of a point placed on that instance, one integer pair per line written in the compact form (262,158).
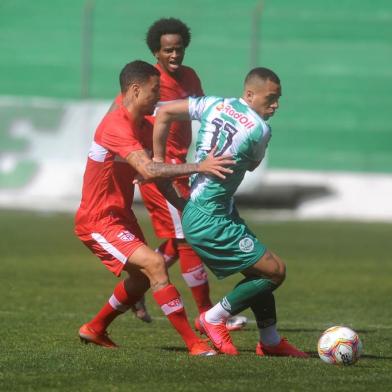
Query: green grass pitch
(338,273)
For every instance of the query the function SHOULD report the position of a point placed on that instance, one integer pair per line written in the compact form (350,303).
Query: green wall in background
(334,58)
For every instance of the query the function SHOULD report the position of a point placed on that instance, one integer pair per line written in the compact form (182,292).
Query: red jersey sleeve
(118,136)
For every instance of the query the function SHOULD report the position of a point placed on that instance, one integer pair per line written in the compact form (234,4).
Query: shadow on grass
(369,356)
(314,354)
(287,329)
(174,349)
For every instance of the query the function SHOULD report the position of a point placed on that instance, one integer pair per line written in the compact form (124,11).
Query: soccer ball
(340,345)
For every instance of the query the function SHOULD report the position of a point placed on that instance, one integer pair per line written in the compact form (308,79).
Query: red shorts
(113,241)
(166,219)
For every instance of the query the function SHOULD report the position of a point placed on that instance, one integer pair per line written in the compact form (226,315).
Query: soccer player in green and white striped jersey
(212,226)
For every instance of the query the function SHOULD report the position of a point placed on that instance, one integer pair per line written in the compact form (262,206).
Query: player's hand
(216,165)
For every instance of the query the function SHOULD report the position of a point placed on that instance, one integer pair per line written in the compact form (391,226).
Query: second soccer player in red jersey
(167,40)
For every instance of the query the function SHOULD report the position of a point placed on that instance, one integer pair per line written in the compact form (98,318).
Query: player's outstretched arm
(150,170)
(176,111)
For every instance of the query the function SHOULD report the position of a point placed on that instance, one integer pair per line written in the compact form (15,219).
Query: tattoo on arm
(165,170)
(143,164)
(138,159)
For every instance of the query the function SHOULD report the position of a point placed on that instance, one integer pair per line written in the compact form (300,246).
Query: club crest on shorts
(126,236)
(246,244)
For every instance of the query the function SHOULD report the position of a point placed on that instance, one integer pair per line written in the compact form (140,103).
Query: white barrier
(44,145)
(351,196)
(55,153)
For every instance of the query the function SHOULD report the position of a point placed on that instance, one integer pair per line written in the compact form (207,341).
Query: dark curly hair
(166,26)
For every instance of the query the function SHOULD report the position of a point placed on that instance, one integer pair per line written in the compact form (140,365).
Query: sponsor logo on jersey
(246,244)
(240,117)
(126,236)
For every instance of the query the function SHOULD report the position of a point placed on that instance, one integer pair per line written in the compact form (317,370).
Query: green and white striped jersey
(236,129)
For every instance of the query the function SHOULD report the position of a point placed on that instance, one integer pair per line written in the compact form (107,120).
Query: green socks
(248,293)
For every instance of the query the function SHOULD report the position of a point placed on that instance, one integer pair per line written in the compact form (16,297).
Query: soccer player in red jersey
(167,40)
(105,221)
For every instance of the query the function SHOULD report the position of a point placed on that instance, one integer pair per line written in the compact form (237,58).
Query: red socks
(118,303)
(192,270)
(195,276)
(169,251)
(170,302)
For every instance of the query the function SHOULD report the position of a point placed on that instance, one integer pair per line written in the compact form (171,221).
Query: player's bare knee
(156,268)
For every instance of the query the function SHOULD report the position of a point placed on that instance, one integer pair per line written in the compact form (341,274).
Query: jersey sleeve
(121,140)
(200,105)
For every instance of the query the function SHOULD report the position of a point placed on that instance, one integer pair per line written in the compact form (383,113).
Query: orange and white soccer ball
(339,345)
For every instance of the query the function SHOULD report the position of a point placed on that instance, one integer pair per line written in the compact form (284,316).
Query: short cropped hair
(263,74)
(166,26)
(136,71)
